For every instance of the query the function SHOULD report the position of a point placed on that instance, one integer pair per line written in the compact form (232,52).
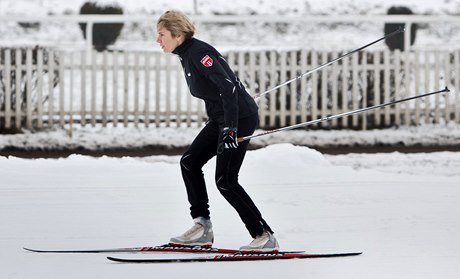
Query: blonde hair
(177,23)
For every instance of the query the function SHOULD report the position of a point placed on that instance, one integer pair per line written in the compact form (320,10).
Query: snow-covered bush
(104,34)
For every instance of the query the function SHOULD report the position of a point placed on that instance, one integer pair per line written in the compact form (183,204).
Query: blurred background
(75,64)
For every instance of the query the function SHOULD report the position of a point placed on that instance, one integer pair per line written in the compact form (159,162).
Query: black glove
(229,138)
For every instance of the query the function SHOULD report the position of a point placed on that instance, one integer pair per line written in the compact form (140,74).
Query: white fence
(44,87)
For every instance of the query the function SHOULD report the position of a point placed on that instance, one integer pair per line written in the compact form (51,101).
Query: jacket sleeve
(215,68)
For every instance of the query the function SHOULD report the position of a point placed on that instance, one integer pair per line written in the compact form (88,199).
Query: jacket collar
(180,50)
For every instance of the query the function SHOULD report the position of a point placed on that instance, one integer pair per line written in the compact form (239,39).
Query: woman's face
(167,41)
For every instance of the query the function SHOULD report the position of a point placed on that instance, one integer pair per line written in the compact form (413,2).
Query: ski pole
(258,95)
(312,122)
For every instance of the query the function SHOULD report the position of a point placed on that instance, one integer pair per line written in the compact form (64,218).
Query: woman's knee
(226,182)
(186,162)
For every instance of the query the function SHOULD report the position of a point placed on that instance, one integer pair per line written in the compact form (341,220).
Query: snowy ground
(403,217)
(100,138)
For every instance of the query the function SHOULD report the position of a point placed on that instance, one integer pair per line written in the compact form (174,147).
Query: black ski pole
(312,122)
(258,95)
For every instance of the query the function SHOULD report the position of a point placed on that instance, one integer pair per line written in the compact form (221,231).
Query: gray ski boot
(264,243)
(199,235)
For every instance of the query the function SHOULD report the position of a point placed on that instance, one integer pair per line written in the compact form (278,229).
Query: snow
(400,210)
(31,7)
(322,36)
(97,138)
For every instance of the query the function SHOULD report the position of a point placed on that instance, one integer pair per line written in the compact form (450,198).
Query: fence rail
(42,87)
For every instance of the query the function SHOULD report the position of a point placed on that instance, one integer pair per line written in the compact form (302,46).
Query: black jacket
(210,78)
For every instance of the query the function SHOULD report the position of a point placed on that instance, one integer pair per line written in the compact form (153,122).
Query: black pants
(228,165)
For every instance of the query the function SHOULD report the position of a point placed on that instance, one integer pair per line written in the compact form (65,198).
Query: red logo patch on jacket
(206,61)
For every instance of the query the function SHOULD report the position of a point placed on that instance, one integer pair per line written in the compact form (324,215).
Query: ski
(146,249)
(166,248)
(234,257)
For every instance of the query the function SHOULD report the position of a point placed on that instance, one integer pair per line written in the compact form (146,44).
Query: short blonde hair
(177,23)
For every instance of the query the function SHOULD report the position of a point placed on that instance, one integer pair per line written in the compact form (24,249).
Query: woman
(231,111)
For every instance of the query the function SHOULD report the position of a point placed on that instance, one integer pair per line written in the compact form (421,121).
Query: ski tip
(38,251)
(333,255)
(30,250)
(354,253)
(118,260)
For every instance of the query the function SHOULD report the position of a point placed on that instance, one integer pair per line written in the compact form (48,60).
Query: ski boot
(199,235)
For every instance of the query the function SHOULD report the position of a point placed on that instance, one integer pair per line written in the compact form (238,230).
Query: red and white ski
(166,248)
(234,257)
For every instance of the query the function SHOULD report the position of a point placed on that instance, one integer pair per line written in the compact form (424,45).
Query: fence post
(314,84)
(417,85)
(105,82)
(335,89)
(146,88)
(457,85)
(136,89)
(437,113)
(18,93)
(71,92)
(8,88)
(354,89)
(157,88)
(168,92)
(427,86)
(293,87)
(447,78)
(28,88)
(387,74)
(324,87)
(62,82)
(93,86)
(115,56)
(364,97)
(273,83)
(40,88)
(345,74)
(262,87)
(83,89)
(377,81)
(397,86)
